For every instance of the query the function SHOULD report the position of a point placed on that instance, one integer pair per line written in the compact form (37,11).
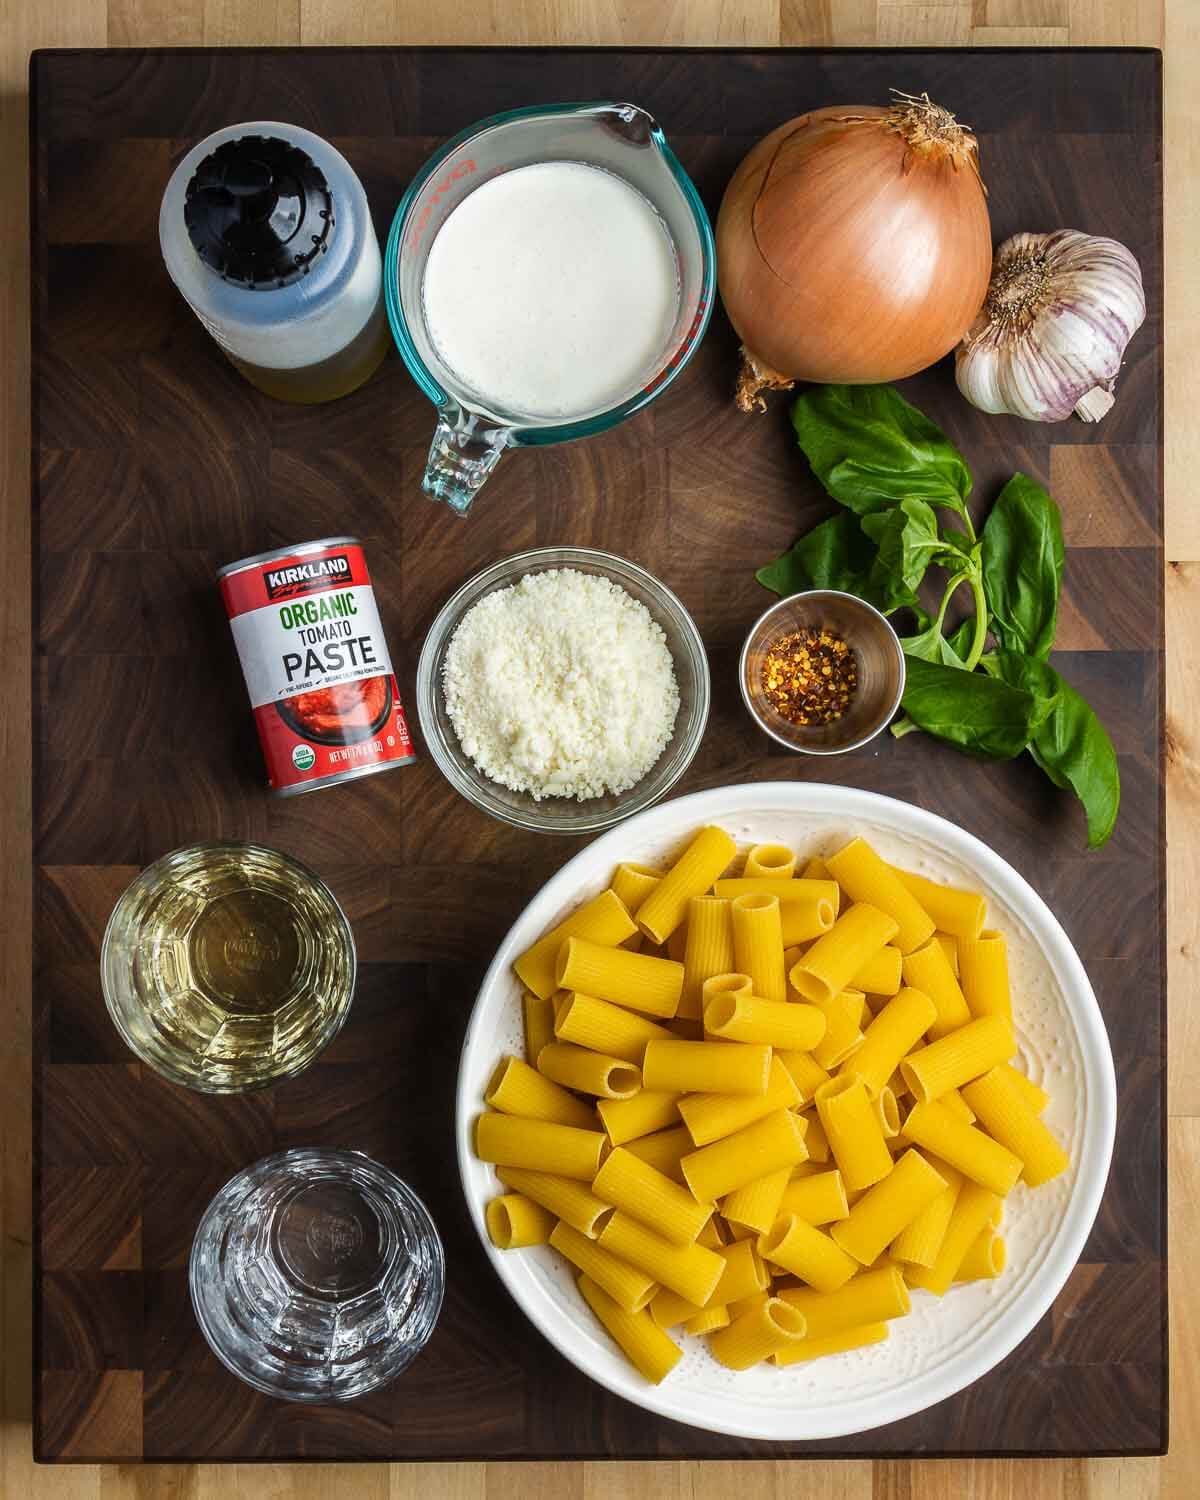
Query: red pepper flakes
(810,676)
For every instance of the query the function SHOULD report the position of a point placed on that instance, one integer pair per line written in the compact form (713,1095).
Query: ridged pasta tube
(629,1288)
(972,1214)
(928,970)
(706,1067)
(834,1343)
(692,874)
(749,1018)
(648,1111)
(710,1117)
(651,1352)
(758,944)
(958,912)
(807,908)
(757,1334)
(955,1059)
(770,862)
(589,1072)
(708,951)
(515,1222)
(610,1029)
(566,1198)
(986,1258)
(807,1252)
(976,1155)
(637,1188)
(517,1089)
(819,1199)
(509,1141)
(775,1141)
(833,960)
(854,1133)
(872,1297)
(888,1207)
(983,974)
(1005,1115)
(637,981)
(757,1204)
(691,1270)
(881,974)
(865,877)
(890,1037)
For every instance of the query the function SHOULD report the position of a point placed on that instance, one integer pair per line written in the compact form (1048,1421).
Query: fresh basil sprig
(893,470)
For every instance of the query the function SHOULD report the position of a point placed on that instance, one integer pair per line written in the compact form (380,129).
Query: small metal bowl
(877,652)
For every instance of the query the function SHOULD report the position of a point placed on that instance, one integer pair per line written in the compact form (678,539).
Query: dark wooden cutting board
(154,463)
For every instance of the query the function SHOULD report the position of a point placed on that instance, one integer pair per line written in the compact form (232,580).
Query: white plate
(945,1343)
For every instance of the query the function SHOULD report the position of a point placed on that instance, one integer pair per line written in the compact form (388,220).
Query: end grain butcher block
(155,463)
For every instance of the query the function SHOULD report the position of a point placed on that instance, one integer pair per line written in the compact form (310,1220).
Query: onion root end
(754,377)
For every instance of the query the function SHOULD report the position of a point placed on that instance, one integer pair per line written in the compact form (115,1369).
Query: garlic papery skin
(1050,337)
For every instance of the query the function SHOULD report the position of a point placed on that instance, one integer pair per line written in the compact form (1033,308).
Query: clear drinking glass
(621,138)
(316,1275)
(227,966)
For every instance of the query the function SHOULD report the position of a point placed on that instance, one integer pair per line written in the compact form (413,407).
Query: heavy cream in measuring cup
(552,290)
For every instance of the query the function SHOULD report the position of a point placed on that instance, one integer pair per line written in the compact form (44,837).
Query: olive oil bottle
(227,966)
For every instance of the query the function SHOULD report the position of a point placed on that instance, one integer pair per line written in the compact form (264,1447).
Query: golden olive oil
(228,966)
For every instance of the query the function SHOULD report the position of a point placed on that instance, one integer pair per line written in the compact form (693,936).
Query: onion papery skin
(844,254)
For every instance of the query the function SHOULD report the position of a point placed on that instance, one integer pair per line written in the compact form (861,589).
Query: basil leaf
(871,449)
(1023,567)
(1073,748)
(930,645)
(833,555)
(907,538)
(979,714)
(1069,742)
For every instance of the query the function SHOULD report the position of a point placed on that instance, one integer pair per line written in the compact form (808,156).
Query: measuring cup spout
(463,453)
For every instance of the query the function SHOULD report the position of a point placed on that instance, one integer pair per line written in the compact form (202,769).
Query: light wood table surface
(1173,25)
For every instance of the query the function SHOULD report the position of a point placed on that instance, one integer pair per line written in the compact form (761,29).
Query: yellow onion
(853,245)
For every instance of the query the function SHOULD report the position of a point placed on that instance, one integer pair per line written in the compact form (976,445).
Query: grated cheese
(561,685)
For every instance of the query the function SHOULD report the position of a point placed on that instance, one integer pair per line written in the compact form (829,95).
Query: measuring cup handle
(461,457)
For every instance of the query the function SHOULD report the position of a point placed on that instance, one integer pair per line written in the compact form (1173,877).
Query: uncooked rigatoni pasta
(808,1079)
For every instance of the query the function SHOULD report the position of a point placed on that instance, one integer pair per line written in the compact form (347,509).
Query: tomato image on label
(316,664)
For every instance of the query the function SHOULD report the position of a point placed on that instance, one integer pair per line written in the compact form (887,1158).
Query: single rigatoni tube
(517,1089)
(708,1321)
(978,1157)
(637,1188)
(829,965)
(566,1198)
(865,877)
(957,1105)
(816,1141)
(807,908)
(589,1072)
(819,1199)
(950,949)
(972,1213)
(843,1034)
(748,1304)
(708,950)
(927,969)
(887,1208)
(603,920)
(890,1037)
(919,1242)
(537,1013)
(958,912)
(609,1029)
(853,1132)
(706,1067)
(804,1070)
(642,1341)
(1034,1096)
(1004,1114)
(709,1117)
(770,862)
(986,1258)
(693,873)
(881,974)
(663,1150)
(834,1343)
(872,1297)
(629,1288)
(955,1059)
(514,1222)
(777,1023)
(775,1141)
(757,1334)
(649,1110)
(807,1252)
(757,1204)
(510,1141)
(632,883)
(758,944)
(634,980)
(691,1270)
(983,974)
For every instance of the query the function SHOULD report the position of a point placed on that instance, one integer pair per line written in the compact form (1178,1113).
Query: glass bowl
(877,652)
(563,814)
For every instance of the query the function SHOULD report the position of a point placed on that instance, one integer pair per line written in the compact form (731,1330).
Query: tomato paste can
(316,664)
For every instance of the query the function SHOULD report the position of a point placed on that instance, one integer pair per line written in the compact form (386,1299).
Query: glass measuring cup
(472,433)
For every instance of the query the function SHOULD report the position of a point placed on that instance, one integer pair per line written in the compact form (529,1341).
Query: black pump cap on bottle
(259,212)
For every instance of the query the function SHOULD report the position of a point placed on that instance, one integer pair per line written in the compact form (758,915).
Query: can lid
(259,211)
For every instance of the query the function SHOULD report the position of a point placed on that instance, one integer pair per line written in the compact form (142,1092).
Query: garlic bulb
(1052,331)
